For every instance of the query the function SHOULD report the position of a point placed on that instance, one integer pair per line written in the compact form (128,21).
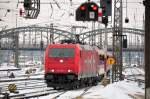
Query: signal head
(94,7)
(82,8)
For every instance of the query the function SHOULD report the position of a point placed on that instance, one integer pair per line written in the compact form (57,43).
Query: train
(70,66)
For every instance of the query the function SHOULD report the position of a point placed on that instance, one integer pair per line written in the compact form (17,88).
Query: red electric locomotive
(71,65)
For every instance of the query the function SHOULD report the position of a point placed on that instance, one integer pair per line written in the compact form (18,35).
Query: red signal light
(94,7)
(82,8)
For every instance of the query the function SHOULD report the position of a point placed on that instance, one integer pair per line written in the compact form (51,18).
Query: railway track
(28,88)
(57,96)
(39,88)
(21,76)
(23,84)
(85,91)
(136,75)
(34,94)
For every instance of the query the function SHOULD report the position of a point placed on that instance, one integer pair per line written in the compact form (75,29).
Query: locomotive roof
(64,44)
(85,47)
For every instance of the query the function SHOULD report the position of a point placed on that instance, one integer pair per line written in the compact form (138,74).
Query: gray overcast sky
(62,16)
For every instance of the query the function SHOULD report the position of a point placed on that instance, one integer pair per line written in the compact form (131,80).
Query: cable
(57,4)
(52,10)
(126,8)
(71,3)
(126,19)
(133,2)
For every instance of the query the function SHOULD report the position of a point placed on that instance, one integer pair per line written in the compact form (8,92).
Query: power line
(54,2)
(133,2)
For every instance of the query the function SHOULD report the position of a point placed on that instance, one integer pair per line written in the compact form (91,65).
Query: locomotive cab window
(61,52)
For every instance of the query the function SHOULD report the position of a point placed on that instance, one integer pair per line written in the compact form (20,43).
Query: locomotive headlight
(69,70)
(52,70)
(61,61)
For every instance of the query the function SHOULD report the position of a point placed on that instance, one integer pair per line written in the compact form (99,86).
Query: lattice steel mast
(117,41)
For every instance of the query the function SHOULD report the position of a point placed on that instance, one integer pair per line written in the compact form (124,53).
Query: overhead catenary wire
(77,2)
(126,9)
(52,10)
(57,4)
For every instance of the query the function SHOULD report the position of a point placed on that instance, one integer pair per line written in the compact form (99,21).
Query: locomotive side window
(61,52)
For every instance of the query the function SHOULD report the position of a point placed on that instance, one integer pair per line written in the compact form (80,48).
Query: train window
(61,52)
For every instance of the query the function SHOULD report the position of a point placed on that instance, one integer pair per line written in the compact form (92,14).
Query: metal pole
(100,37)
(16,20)
(73,31)
(105,48)
(147,51)
(16,38)
(92,36)
(51,33)
(117,41)
(93,33)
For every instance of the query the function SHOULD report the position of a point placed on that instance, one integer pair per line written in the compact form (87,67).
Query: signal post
(147,50)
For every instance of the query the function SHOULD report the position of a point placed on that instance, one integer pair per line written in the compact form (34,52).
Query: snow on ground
(133,70)
(5,66)
(6,70)
(118,90)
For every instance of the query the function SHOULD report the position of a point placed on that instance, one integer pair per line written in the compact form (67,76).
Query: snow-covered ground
(120,90)
(5,70)
(26,72)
